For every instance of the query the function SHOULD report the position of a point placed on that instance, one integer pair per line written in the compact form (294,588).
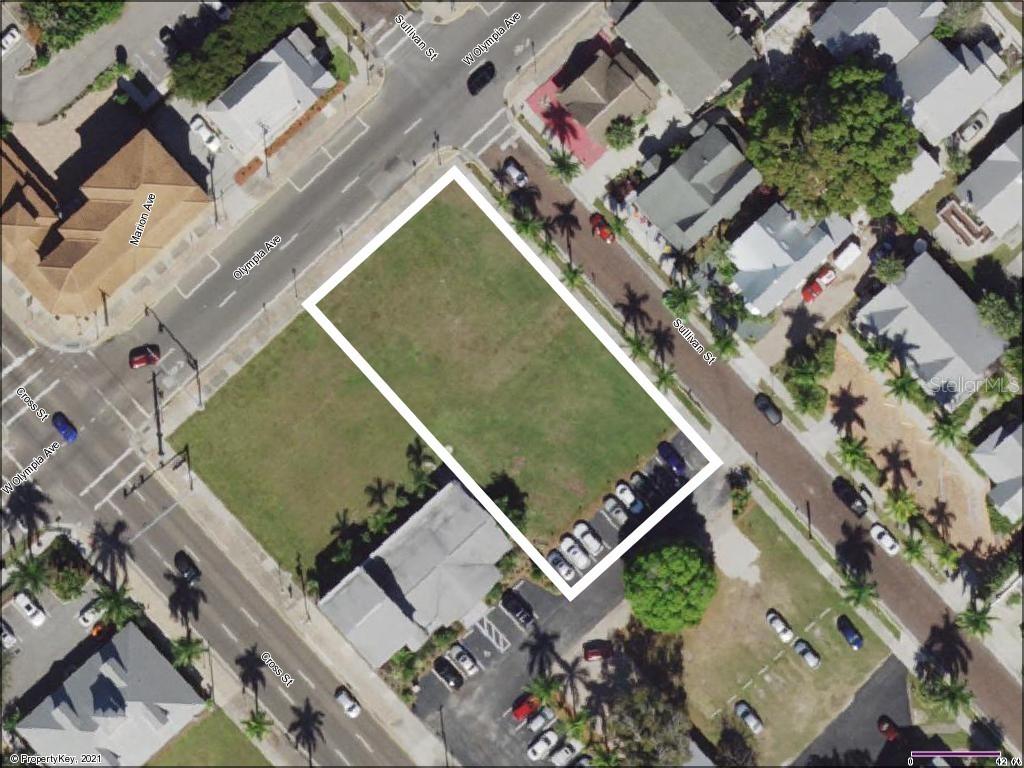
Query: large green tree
(64,22)
(835,145)
(649,728)
(669,588)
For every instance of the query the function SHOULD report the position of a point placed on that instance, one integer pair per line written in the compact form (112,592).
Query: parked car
(817,284)
(30,609)
(595,650)
(807,653)
(846,493)
(973,127)
(140,357)
(849,632)
(888,728)
(186,566)
(525,706)
(11,36)
(588,537)
(747,714)
(765,405)
(64,427)
(220,10)
(672,458)
(447,672)
(7,636)
(574,552)
(203,130)
(517,608)
(463,659)
(480,77)
(565,753)
(541,719)
(625,494)
(615,510)
(541,746)
(777,623)
(642,487)
(514,172)
(89,615)
(599,227)
(348,704)
(885,539)
(560,564)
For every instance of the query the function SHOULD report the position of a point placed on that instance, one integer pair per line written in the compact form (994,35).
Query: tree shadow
(559,124)
(541,652)
(663,341)
(942,517)
(110,550)
(896,465)
(989,275)
(184,600)
(850,757)
(631,307)
(855,550)
(802,323)
(943,652)
(733,747)
(574,677)
(508,496)
(845,410)
(307,728)
(683,264)
(526,200)
(902,350)
(25,511)
(250,672)
(567,224)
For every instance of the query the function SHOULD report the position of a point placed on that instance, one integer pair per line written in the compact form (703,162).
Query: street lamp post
(264,129)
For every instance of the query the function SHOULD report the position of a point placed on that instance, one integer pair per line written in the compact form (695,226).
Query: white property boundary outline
(570,591)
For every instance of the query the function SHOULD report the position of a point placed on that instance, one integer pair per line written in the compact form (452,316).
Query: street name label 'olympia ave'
(31,468)
(410,31)
(257,256)
(485,45)
(136,237)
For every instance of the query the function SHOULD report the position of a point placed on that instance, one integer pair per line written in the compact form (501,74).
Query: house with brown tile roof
(69,265)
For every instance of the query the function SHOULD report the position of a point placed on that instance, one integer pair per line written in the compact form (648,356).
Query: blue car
(849,632)
(671,457)
(63,425)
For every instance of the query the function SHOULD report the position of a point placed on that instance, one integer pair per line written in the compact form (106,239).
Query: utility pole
(264,128)
(156,413)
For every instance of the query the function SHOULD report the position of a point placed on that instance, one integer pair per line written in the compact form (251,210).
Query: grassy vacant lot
(495,363)
(293,438)
(735,654)
(211,740)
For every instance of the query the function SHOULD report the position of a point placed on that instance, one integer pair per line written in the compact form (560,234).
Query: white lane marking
(284,693)
(154,550)
(364,742)
(288,242)
(484,127)
(105,472)
(228,632)
(154,521)
(39,396)
(536,11)
(17,361)
(9,455)
(199,285)
(329,155)
(345,149)
(303,676)
(393,48)
(116,509)
(248,615)
(226,299)
(114,408)
(386,35)
(495,8)
(25,383)
(348,186)
(138,495)
(411,127)
(341,754)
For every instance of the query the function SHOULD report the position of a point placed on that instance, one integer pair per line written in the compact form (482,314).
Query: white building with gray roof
(1000,455)
(993,189)
(124,703)
(433,571)
(889,29)
(936,324)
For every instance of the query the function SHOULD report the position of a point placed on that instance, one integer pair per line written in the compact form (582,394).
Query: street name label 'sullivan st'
(30,469)
(136,237)
(694,342)
(257,256)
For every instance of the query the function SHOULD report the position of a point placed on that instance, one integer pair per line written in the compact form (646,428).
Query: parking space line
(284,693)
(341,754)
(415,122)
(25,383)
(105,472)
(154,521)
(327,165)
(17,361)
(199,285)
(483,128)
(324,150)
(114,408)
(490,12)
(302,674)
(536,11)
(116,508)
(349,186)
(248,615)
(228,632)
(364,742)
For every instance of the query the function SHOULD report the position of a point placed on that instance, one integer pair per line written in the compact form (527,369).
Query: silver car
(808,654)
(463,659)
(615,510)
(560,564)
(348,704)
(588,537)
(746,713)
(541,747)
(574,552)
(885,539)
(541,720)
(7,635)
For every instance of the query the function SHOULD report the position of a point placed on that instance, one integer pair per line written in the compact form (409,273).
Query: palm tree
(853,453)
(810,399)
(605,758)
(949,559)
(185,650)
(639,346)
(664,377)
(340,528)
(952,693)
(572,276)
(380,522)
(976,619)
(573,675)
(857,590)
(879,357)
(529,226)
(115,606)
(547,247)
(913,549)
(545,688)
(680,300)
(564,165)
(377,492)
(946,429)
(901,386)
(11,718)
(576,726)
(901,505)
(307,728)
(725,345)
(256,725)
(29,575)
(889,269)
(617,226)
(343,553)
(620,133)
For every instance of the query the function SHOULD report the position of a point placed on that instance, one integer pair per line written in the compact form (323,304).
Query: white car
(574,552)
(974,126)
(541,720)
(541,747)
(624,493)
(745,713)
(588,537)
(808,654)
(515,173)
(7,635)
(89,615)
(32,612)
(565,753)
(11,36)
(348,704)
(782,629)
(614,509)
(202,129)
(463,659)
(561,565)
(885,539)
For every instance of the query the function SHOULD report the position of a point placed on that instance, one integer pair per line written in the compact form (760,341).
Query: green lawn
(733,653)
(293,438)
(924,209)
(342,66)
(495,363)
(213,739)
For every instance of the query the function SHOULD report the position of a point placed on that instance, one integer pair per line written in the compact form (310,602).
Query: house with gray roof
(888,29)
(123,703)
(939,90)
(689,46)
(1000,455)
(936,326)
(993,190)
(913,184)
(432,572)
(779,251)
(271,94)
(706,184)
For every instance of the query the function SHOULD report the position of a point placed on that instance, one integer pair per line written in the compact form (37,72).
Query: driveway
(779,452)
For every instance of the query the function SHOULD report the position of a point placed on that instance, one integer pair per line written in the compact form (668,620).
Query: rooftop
(1000,455)
(993,189)
(890,29)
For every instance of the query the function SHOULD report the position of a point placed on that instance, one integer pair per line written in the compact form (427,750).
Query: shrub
(64,22)
(68,583)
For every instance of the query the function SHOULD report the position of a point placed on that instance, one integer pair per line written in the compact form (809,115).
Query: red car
(595,650)
(825,277)
(525,706)
(888,728)
(599,226)
(147,354)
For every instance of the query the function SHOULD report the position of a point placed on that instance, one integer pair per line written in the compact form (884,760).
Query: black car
(169,41)
(517,607)
(448,673)
(771,411)
(186,566)
(846,493)
(849,632)
(480,77)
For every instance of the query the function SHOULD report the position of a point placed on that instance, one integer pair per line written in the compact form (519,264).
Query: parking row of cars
(547,744)
(88,617)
